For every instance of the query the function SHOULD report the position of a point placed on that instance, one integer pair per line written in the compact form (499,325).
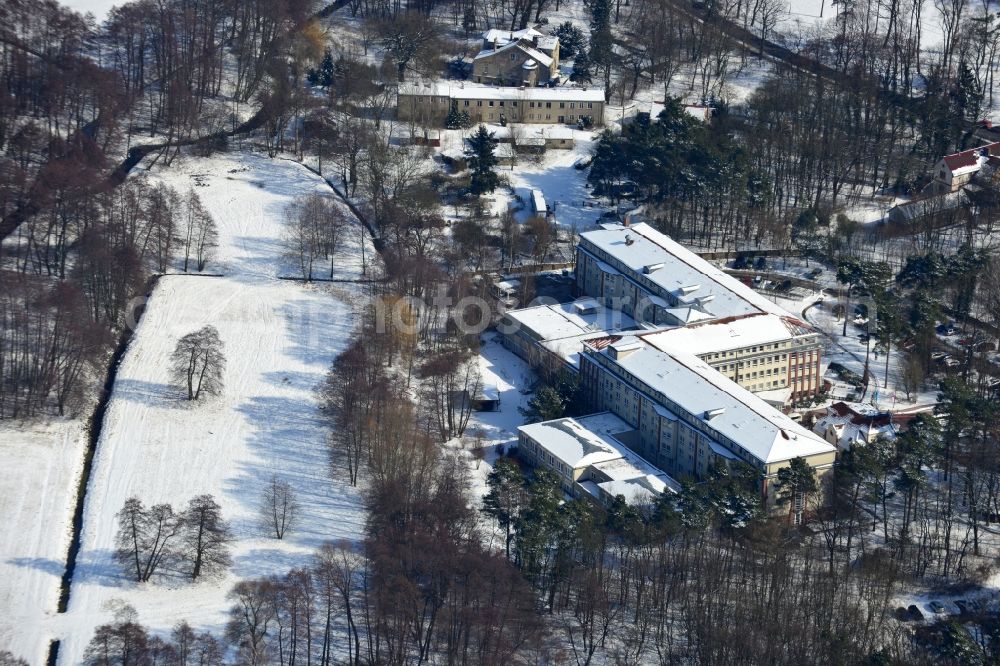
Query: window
(491,102)
(572,105)
(590,105)
(548,116)
(548,105)
(512,56)
(562,105)
(467,102)
(479,102)
(514,103)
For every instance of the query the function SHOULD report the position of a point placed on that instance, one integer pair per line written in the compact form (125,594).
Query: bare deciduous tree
(198,363)
(143,536)
(205,536)
(279,507)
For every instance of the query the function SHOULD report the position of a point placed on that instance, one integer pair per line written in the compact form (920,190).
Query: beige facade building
(428,103)
(520,58)
(689,417)
(591,459)
(701,310)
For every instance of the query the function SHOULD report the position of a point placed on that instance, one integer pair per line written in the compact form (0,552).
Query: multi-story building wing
(658,282)
(428,103)
(776,357)
(688,416)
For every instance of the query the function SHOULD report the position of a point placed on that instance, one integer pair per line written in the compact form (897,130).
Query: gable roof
(530,52)
(736,414)
(656,261)
(969,159)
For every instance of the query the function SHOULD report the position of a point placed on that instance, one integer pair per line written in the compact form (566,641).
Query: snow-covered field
(38,477)
(280,337)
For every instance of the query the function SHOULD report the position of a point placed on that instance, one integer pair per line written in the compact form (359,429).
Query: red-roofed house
(955,170)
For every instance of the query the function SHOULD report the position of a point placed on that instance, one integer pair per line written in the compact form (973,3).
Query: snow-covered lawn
(280,338)
(38,477)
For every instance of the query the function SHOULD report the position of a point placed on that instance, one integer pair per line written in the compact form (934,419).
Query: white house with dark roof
(954,171)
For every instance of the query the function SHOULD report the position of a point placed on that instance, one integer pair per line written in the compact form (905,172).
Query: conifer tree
(482,161)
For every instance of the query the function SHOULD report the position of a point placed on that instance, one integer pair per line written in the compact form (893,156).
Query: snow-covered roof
(590,441)
(471,91)
(969,160)
(721,404)
(538,201)
(503,36)
(580,442)
(658,263)
(918,208)
(546,42)
(555,132)
(726,334)
(698,112)
(563,320)
(850,433)
(527,49)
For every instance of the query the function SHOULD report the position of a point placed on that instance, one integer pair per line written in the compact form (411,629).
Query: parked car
(761,263)
(583,162)
(814,273)
(939,356)
(914,613)
(945,329)
(937,607)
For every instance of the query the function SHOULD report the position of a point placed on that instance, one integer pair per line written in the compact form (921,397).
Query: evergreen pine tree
(545,405)
(796,480)
(571,40)
(326,69)
(581,68)
(482,161)
(506,497)
(600,32)
(456,119)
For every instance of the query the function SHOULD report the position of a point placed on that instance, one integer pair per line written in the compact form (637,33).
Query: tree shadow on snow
(290,441)
(43,564)
(153,394)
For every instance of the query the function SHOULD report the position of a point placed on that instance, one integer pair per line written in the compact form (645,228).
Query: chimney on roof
(629,240)
(494,43)
(627,220)
(712,413)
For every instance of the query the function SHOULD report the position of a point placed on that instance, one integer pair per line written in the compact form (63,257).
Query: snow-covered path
(280,338)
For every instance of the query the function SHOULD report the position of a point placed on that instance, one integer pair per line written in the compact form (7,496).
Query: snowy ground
(99,8)
(280,338)
(38,479)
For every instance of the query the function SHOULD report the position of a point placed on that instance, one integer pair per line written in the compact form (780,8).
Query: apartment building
(699,309)
(428,103)
(688,416)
